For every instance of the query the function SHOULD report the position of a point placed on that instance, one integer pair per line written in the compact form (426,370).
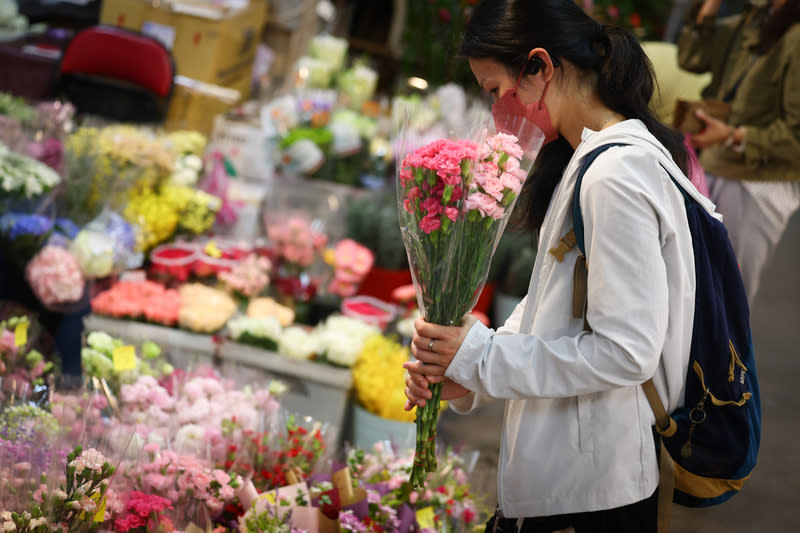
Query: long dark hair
(506,30)
(777,23)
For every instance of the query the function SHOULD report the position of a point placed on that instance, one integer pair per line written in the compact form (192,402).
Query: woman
(577,448)
(752,161)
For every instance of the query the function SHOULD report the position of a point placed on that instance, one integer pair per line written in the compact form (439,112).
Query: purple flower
(15,225)
(66,227)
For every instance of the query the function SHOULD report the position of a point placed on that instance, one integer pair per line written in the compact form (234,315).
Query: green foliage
(644,18)
(431,41)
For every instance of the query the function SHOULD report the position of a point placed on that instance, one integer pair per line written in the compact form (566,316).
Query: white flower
(297,343)
(92,459)
(9,526)
(36,522)
(267,327)
(343,338)
(78,465)
(189,439)
(341,348)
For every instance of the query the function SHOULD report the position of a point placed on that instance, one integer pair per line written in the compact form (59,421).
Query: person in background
(674,83)
(752,161)
(577,446)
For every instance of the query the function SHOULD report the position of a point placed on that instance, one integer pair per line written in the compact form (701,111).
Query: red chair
(117,74)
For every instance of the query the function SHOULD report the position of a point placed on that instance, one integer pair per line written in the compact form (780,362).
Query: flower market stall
(226,304)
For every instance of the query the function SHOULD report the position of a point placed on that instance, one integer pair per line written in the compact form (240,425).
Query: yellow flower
(379,378)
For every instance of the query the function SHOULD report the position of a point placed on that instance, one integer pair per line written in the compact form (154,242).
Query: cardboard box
(209,43)
(194,105)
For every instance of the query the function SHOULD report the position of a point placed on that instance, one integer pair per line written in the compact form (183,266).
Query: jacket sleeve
(472,400)
(702,47)
(628,309)
(695,41)
(780,141)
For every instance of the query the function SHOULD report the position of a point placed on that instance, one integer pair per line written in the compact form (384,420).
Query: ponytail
(626,83)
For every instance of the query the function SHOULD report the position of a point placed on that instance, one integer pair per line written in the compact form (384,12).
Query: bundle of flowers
(294,247)
(23,369)
(444,502)
(454,199)
(101,350)
(22,177)
(351,262)
(55,276)
(264,332)
(162,211)
(249,277)
(107,244)
(273,459)
(198,414)
(268,307)
(342,339)
(149,177)
(139,300)
(22,235)
(298,342)
(204,309)
(74,504)
(379,378)
(190,484)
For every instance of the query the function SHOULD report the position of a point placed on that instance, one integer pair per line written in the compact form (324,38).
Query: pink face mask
(509,108)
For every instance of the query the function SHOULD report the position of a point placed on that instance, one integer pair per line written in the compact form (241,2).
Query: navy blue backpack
(712,442)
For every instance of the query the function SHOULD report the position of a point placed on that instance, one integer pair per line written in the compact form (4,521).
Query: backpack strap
(665,424)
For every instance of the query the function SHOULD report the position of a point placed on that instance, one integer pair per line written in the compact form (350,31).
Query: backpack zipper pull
(697,415)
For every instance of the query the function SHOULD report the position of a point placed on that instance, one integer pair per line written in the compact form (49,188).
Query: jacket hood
(634,132)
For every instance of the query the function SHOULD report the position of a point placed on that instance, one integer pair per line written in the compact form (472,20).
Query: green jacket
(767,101)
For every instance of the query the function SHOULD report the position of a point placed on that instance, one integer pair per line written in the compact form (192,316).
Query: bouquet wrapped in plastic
(455,198)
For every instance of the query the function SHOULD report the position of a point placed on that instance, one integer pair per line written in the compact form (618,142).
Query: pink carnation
(483,203)
(510,182)
(430,223)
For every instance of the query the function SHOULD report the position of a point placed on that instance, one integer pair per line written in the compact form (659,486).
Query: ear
(539,61)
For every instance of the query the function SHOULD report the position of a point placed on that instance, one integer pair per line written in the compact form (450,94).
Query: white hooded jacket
(577,428)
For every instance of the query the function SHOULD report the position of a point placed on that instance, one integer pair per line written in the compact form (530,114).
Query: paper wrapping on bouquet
(309,513)
(455,197)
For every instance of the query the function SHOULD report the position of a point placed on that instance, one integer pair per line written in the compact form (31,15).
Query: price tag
(212,250)
(425,518)
(124,358)
(21,334)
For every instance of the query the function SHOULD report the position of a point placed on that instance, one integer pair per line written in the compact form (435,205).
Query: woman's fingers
(426,369)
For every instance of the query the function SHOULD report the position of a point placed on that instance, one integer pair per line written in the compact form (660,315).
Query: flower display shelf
(315,389)
(185,348)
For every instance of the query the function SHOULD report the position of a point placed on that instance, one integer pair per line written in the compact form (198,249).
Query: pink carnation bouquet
(455,198)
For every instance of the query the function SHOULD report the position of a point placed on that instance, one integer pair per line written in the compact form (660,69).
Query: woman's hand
(709,7)
(434,347)
(715,131)
(417,389)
